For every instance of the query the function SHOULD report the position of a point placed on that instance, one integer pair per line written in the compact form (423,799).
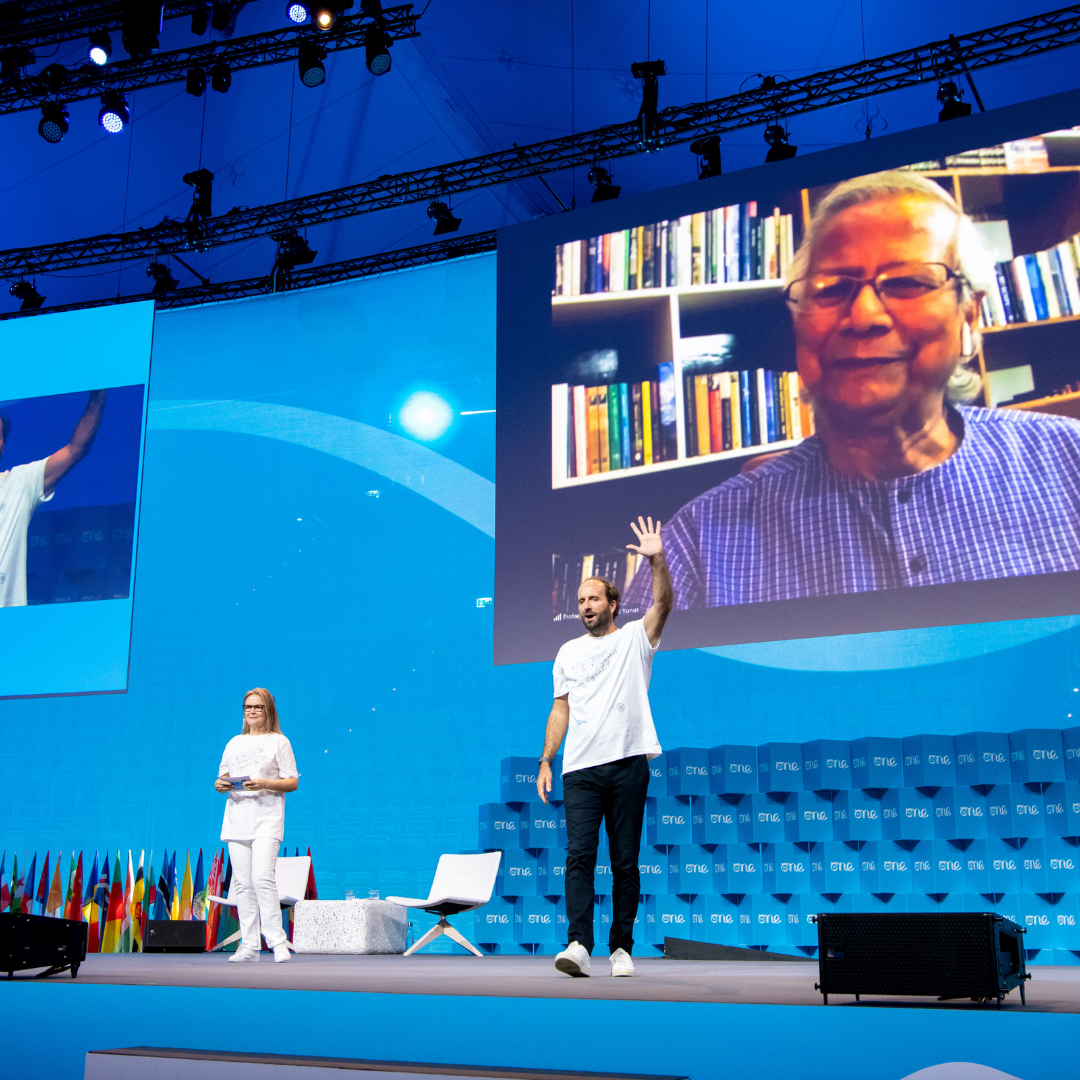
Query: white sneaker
(621,964)
(573,960)
(245,955)
(281,953)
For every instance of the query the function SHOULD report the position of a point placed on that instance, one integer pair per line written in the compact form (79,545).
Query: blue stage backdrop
(317,517)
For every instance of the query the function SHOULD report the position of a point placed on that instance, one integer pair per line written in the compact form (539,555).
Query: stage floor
(1051,989)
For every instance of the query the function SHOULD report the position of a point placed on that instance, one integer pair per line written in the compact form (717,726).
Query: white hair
(972,261)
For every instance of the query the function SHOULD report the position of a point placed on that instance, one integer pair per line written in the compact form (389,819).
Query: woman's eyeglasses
(254,708)
(898,286)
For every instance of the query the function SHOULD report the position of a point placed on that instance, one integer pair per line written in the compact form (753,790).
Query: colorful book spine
(626,443)
(668,420)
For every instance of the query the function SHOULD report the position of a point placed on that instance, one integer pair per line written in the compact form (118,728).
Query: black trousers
(615,794)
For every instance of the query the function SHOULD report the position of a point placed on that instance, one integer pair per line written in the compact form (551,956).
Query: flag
(198,892)
(5,891)
(185,891)
(213,911)
(74,906)
(311,892)
(42,897)
(114,918)
(135,909)
(92,910)
(20,901)
(125,921)
(101,900)
(174,891)
(150,890)
(54,902)
(161,901)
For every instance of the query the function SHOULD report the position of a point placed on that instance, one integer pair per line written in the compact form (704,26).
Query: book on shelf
(568,572)
(621,426)
(732,243)
(1032,288)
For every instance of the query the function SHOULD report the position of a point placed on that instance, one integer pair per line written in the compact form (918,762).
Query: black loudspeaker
(164,935)
(920,954)
(39,941)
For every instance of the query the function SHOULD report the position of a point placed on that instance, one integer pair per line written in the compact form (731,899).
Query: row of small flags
(118,909)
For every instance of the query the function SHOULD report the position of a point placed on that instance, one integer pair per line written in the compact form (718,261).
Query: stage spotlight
(161,276)
(949,95)
(114,114)
(708,149)
(29,298)
(377,48)
(293,251)
(224,15)
(196,82)
(99,47)
(202,180)
(296,12)
(53,125)
(200,21)
(140,28)
(221,78)
(777,138)
(312,69)
(326,14)
(445,221)
(600,178)
(12,62)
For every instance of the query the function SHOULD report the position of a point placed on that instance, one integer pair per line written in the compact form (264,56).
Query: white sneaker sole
(570,967)
(622,973)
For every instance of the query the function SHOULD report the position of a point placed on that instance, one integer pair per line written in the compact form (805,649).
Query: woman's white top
(251,814)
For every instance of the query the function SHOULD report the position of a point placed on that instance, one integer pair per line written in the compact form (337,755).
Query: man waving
(602,709)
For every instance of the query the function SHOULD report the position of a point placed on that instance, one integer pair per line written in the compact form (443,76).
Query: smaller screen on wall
(841,399)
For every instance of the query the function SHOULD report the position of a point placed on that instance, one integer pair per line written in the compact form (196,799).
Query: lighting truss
(51,22)
(256,50)
(928,63)
(306,278)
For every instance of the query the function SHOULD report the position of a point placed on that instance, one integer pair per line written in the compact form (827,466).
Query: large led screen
(851,395)
(72,409)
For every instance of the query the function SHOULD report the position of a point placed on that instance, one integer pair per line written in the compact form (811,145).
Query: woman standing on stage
(254,825)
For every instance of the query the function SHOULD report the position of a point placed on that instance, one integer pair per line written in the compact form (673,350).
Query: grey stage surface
(1051,989)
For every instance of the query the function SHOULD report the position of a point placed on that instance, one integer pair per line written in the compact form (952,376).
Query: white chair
(290,877)
(462,883)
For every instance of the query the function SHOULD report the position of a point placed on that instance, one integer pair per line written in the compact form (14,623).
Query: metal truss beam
(256,50)
(40,23)
(775,98)
(306,278)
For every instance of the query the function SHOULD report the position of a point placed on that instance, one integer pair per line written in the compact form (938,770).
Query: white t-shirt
(251,814)
(607,679)
(22,491)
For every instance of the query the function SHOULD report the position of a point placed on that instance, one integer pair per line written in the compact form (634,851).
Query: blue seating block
(720,878)
(714,819)
(808,816)
(667,916)
(732,769)
(687,771)
(1033,867)
(869,865)
(857,815)
(1026,807)
(658,776)
(653,869)
(540,920)
(494,922)
(539,825)
(1039,917)
(982,758)
(976,867)
(552,872)
(834,867)
(1061,809)
(499,827)
(517,779)
(768,920)
(760,818)
(779,767)
(923,877)
(1003,860)
(800,930)
(929,760)
(668,820)
(1036,756)
(877,763)
(907,814)
(1070,744)
(950,867)
(690,869)
(959,813)
(1062,859)
(517,873)
(717,917)
(785,868)
(744,871)
(826,765)
(894,859)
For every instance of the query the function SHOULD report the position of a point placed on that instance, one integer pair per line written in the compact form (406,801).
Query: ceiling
(483,74)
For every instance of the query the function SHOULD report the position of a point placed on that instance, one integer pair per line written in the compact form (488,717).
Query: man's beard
(602,624)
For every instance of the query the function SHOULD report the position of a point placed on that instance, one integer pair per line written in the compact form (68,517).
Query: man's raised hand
(649,543)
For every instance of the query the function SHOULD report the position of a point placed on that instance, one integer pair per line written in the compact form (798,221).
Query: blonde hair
(972,261)
(264,695)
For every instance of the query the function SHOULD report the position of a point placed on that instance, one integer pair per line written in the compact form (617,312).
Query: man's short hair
(5,425)
(611,591)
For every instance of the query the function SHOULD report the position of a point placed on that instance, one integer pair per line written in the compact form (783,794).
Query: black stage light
(312,69)
(293,251)
(328,13)
(114,114)
(445,221)
(29,298)
(224,15)
(53,125)
(196,82)
(221,78)
(600,178)
(377,49)
(296,12)
(99,47)
(140,27)
(200,20)
(12,62)
(949,95)
(708,149)
(202,180)
(160,274)
(777,138)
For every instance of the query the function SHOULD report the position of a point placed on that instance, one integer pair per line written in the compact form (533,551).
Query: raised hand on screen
(649,543)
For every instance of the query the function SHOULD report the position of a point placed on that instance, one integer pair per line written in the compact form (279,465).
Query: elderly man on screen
(902,484)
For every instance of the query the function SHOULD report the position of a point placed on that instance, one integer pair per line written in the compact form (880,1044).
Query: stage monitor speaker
(164,935)
(920,954)
(40,941)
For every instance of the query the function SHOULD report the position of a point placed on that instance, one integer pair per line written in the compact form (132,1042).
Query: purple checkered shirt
(1006,504)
